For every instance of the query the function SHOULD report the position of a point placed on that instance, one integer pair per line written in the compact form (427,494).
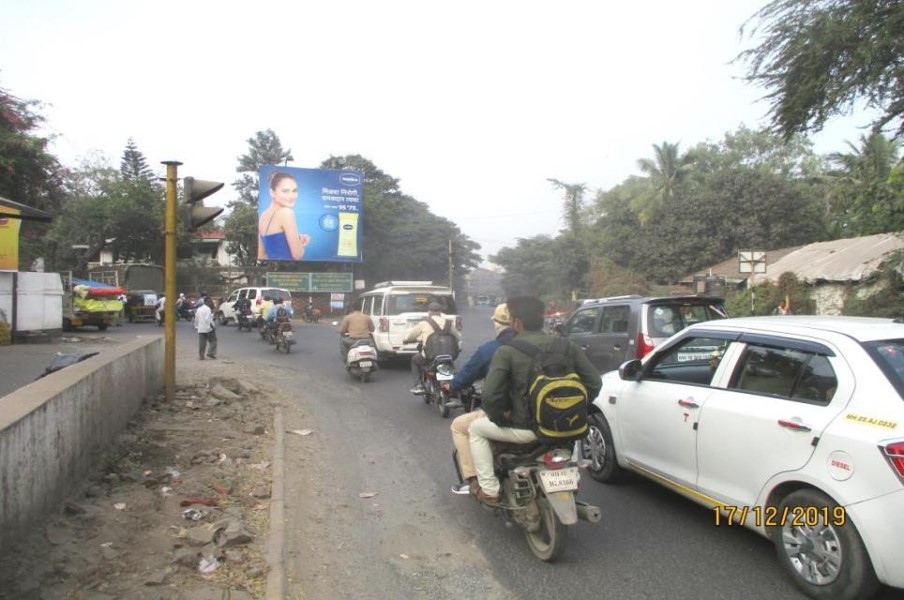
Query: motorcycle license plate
(441,377)
(559,480)
(366,363)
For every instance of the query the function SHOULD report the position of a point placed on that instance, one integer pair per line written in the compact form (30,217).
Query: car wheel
(223,319)
(598,447)
(825,559)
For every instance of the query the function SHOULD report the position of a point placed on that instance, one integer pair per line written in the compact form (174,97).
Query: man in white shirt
(207,333)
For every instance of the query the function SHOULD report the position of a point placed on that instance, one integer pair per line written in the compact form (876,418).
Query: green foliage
(888,301)
(608,279)
(821,58)
(133,164)
(759,151)
(667,171)
(530,267)
(867,196)
(240,229)
(764,299)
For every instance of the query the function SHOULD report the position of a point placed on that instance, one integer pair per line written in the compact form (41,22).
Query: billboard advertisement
(310,214)
(9,242)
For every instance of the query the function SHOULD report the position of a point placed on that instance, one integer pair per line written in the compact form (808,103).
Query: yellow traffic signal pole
(169,277)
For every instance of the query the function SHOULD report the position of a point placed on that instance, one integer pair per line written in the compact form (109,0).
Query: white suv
(791,426)
(226,311)
(396,306)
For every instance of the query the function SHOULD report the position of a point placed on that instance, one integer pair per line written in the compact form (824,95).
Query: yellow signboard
(9,242)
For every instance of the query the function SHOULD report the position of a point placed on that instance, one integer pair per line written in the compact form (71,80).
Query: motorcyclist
(242,308)
(265,308)
(354,326)
(273,320)
(504,395)
(475,369)
(419,333)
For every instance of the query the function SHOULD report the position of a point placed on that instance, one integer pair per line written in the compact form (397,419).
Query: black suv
(613,330)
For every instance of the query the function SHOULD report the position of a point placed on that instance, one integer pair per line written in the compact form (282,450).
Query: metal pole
(169,279)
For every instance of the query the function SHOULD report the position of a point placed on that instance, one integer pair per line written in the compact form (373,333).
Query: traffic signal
(196,214)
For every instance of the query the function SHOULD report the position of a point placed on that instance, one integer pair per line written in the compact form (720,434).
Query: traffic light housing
(196,214)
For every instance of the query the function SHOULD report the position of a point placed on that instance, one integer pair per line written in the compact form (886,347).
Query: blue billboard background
(328,210)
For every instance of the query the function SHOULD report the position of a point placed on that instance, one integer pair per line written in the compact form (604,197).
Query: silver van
(396,306)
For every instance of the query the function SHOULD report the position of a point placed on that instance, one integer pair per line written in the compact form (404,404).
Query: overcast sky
(473,105)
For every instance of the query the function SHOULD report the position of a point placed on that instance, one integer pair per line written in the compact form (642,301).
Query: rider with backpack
(436,335)
(538,387)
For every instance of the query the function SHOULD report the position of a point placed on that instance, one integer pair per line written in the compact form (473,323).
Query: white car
(791,426)
(226,311)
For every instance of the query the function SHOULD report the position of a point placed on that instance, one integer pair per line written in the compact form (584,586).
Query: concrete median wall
(53,430)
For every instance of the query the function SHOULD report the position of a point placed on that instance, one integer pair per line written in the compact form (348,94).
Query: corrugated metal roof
(852,259)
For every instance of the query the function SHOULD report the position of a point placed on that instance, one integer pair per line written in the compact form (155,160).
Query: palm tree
(667,170)
(871,163)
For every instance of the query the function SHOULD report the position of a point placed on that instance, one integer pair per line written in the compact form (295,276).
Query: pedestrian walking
(207,332)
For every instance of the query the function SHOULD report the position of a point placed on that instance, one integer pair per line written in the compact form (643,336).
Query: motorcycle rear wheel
(441,399)
(548,542)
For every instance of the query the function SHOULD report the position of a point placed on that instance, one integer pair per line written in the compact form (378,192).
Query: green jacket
(505,386)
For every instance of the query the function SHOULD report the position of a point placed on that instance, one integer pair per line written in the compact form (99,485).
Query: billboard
(9,242)
(310,214)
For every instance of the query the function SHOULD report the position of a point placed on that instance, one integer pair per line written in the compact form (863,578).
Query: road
(369,513)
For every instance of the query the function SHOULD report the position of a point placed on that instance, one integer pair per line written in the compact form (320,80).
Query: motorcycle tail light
(445,369)
(894,454)
(556,459)
(384,325)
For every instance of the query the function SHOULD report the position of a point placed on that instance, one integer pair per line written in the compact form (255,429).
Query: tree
(572,254)
(867,197)
(134,165)
(240,226)
(666,171)
(820,58)
(760,150)
(29,174)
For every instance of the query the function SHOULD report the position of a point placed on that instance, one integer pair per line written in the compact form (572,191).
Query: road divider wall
(53,431)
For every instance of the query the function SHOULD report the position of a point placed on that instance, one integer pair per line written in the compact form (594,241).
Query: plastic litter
(193,514)
(63,360)
(208,564)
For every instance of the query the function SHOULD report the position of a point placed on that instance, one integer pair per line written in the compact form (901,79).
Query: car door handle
(795,425)
(689,403)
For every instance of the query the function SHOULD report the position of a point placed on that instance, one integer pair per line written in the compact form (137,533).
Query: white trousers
(483,430)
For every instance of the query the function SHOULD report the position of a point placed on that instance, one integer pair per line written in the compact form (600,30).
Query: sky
(472,105)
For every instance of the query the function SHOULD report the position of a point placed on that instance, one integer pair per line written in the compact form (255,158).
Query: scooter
(361,359)
(538,485)
(439,370)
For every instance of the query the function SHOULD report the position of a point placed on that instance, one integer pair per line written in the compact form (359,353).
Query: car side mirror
(630,370)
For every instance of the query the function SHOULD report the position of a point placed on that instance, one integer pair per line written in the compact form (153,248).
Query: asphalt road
(413,538)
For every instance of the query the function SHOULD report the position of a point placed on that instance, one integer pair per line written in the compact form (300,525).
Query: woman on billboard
(277,230)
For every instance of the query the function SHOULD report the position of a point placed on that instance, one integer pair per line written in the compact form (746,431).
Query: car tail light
(894,453)
(458,323)
(384,325)
(644,345)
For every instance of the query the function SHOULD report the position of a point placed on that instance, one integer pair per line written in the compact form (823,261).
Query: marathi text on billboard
(310,214)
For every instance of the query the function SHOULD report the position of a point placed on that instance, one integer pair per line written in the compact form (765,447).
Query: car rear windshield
(889,355)
(418,302)
(275,293)
(665,320)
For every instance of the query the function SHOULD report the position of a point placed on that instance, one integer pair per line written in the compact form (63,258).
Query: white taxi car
(791,426)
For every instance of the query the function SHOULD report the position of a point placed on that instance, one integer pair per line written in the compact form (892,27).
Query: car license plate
(365,363)
(560,480)
(441,377)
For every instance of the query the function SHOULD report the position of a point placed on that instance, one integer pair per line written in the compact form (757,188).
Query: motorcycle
(283,336)
(538,485)
(184,311)
(361,359)
(310,314)
(439,370)
(243,319)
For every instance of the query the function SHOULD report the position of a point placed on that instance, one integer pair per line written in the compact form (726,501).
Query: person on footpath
(505,397)
(475,369)
(207,333)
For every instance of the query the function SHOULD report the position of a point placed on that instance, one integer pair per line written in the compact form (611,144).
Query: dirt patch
(177,508)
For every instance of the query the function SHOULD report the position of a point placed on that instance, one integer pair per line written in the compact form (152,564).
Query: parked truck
(87,302)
